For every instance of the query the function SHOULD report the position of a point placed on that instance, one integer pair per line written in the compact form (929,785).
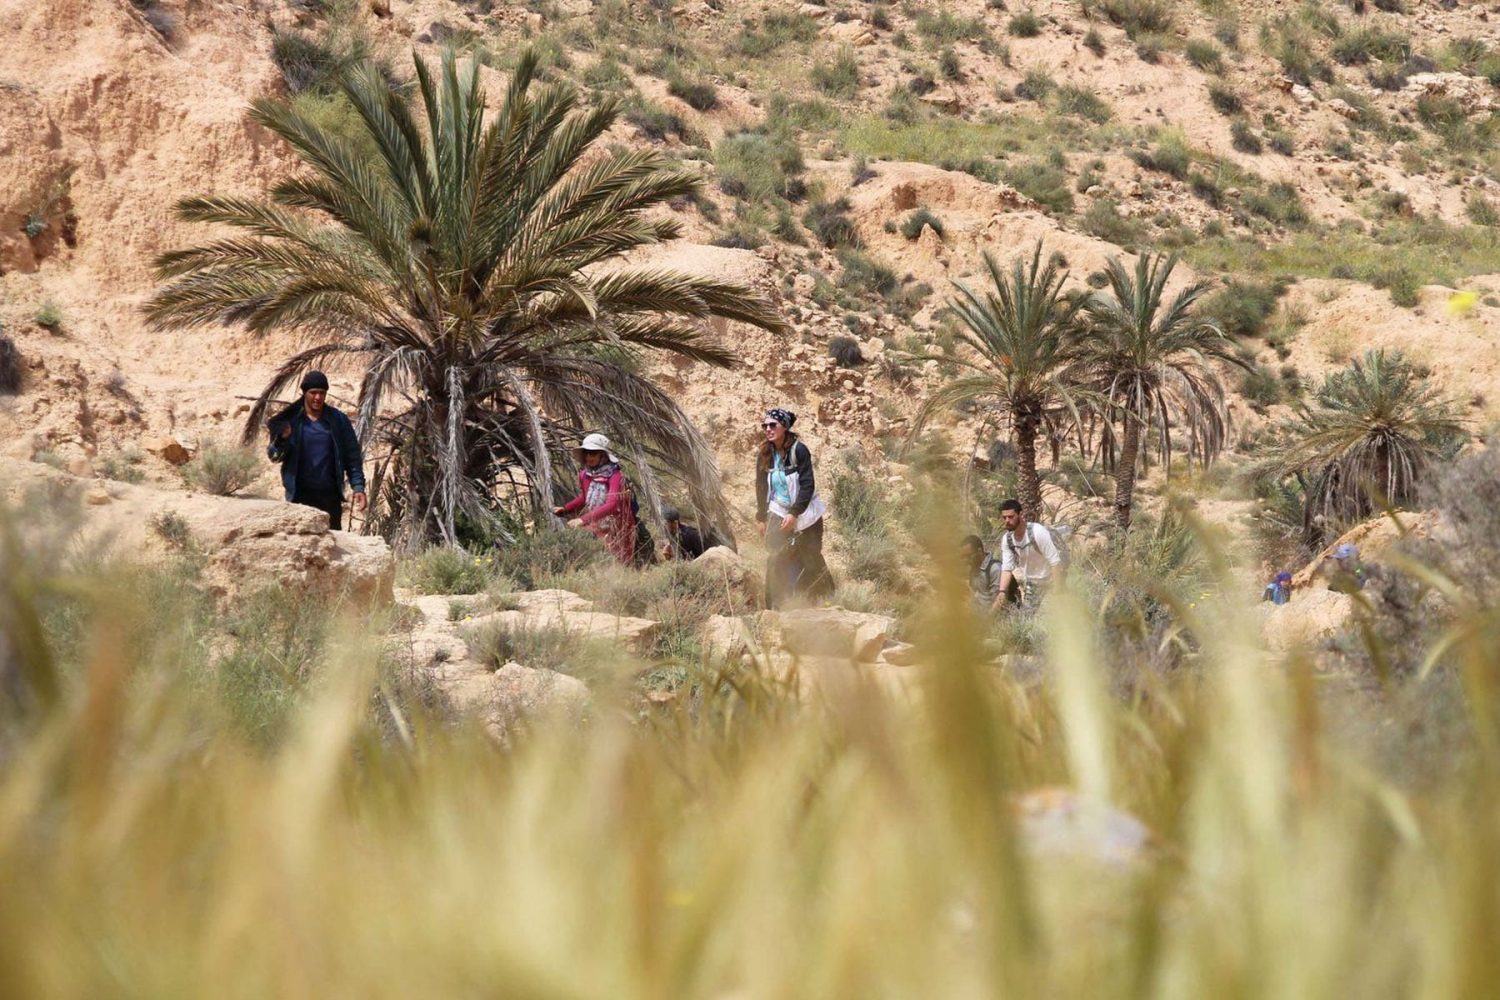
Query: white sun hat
(596,442)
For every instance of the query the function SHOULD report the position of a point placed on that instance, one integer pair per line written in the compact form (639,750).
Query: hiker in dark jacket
(686,541)
(790,514)
(318,450)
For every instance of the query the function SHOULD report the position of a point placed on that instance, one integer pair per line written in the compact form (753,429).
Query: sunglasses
(769,424)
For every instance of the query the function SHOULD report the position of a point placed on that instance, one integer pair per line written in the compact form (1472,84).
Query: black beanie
(315,380)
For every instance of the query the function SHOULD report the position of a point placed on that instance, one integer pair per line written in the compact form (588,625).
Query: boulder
(523,692)
(634,633)
(170,450)
(549,600)
(1059,823)
(258,543)
(1311,618)
(833,632)
(735,570)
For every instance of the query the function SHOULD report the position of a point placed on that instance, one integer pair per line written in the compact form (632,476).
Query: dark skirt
(795,570)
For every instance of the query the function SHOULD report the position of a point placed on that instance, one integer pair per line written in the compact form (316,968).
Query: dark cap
(315,380)
(671,514)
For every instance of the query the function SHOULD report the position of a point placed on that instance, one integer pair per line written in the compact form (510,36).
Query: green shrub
(949,66)
(831,224)
(1403,283)
(1094,42)
(171,527)
(48,316)
(912,227)
(863,275)
(1242,308)
(1024,24)
(1243,138)
(1279,203)
(701,95)
(774,31)
(1261,388)
(1035,85)
(1171,155)
(1042,182)
(839,78)
(741,236)
(655,122)
(444,570)
(1224,100)
(1204,55)
(1083,102)
(1152,17)
(759,166)
(1103,219)
(1481,212)
(535,560)
(943,28)
(1149,47)
(1281,142)
(1358,47)
(222,471)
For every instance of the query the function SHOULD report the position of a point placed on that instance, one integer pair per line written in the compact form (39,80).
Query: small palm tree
(1151,364)
(1025,364)
(1372,432)
(473,273)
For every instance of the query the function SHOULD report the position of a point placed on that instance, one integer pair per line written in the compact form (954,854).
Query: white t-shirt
(1033,556)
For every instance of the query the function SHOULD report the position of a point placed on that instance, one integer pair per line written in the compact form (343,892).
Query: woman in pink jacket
(605,499)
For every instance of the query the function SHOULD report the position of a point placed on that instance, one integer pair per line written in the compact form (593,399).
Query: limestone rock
(1308,620)
(736,571)
(170,450)
(553,600)
(1343,109)
(833,632)
(527,692)
(1059,823)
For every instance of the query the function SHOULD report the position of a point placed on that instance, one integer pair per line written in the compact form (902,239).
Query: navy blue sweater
(348,459)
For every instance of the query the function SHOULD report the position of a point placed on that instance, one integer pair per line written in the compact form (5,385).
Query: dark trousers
(795,567)
(331,502)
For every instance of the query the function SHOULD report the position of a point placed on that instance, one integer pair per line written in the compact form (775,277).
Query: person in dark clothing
(790,514)
(684,541)
(317,449)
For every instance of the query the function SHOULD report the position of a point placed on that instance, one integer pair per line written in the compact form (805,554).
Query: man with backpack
(984,573)
(1032,557)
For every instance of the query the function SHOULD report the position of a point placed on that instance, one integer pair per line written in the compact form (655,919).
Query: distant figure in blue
(1279,590)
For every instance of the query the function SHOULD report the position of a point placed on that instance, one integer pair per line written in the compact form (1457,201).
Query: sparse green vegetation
(944,28)
(1138,17)
(701,95)
(1204,55)
(831,224)
(48,316)
(839,78)
(1224,99)
(759,166)
(1103,219)
(774,31)
(1024,24)
(222,471)
(1358,47)
(1243,137)
(1044,182)
(1083,102)
(914,224)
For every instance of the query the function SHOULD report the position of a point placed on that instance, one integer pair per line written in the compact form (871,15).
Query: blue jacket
(348,460)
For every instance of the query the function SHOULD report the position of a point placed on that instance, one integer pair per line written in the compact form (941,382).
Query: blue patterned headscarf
(783,417)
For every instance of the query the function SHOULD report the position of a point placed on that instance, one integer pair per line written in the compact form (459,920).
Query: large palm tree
(1151,363)
(1025,360)
(1371,433)
(472,272)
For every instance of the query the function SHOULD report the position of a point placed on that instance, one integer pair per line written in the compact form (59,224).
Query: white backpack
(1061,534)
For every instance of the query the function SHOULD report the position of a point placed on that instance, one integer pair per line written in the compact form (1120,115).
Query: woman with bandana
(790,514)
(605,499)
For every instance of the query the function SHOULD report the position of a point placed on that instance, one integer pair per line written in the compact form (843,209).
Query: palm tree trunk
(1030,486)
(1130,448)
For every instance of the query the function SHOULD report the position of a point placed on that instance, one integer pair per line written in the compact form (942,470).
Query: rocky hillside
(1335,161)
